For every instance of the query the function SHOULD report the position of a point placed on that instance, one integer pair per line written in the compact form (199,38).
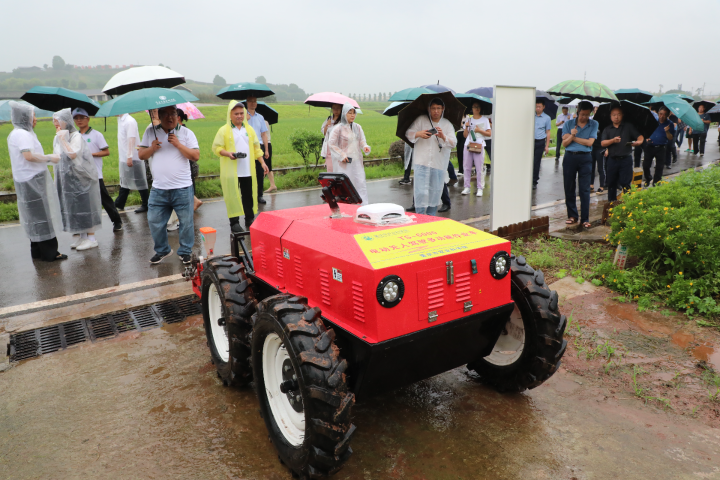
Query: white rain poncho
(430,159)
(408,155)
(37,199)
(324,151)
(76,178)
(133,178)
(347,140)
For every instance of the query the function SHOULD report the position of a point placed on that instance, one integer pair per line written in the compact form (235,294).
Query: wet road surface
(151,406)
(123,258)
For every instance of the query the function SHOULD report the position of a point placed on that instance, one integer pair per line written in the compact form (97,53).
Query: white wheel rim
(219,332)
(510,345)
(290,422)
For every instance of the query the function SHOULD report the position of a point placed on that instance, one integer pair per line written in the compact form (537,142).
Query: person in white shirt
(559,122)
(475,130)
(95,141)
(132,169)
(172,148)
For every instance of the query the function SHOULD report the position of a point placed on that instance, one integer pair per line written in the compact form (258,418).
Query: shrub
(306,144)
(397,149)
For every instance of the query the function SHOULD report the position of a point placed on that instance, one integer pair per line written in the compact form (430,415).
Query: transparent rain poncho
(76,178)
(324,151)
(37,199)
(347,140)
(133,178)
(430,159)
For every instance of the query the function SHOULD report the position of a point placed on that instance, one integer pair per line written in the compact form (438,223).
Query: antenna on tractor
(337,188)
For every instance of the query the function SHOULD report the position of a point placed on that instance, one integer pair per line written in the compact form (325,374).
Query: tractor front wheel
(531,344)
(300,383)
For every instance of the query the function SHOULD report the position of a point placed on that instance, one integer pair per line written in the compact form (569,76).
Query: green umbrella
(468,99)
(144,99)
(684,111)
(583,90)
(241,91)
(57,98)
(409,94)
(634,95)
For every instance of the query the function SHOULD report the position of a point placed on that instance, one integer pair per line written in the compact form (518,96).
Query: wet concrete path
(151,406)
(124,257)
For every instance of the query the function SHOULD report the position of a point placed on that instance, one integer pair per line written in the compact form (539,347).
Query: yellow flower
(603,276)
(680,273)
(637,236)
(615,280)
(633,228)
(691,284)
(665,208)
(678,226)
(688,252)
(623,208)
(642,231)
(682,243)
(640,203)
(668,286)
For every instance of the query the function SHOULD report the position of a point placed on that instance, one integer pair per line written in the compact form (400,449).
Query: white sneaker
(465,191)
(479,193)
(173,226)
(76,242)
(87,244)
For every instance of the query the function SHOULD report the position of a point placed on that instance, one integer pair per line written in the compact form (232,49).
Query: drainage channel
(33,343)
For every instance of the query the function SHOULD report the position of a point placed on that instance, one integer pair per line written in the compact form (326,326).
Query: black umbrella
(705,103)
(638,115)
(551,107)
(714,113)
(635,95)
(486,92)
(438,88)
(454,111)
(269,113)
(57,98)
(468,99)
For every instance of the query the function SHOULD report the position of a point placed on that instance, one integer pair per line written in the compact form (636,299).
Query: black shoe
(157,258)
(444,208)
(410,209)
(404,182)
(534,187)
(117,226)
(452,182)
(261,200)
(142,209)
(119,209)
(248,224)
(236,228)
(186,259)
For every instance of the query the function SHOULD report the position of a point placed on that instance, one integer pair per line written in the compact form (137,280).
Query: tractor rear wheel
(531,345)
(228,303)
(300,382)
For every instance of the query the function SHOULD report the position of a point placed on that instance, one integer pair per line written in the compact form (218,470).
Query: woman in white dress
(347,146)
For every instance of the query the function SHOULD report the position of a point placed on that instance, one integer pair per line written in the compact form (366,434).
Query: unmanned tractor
(328,307)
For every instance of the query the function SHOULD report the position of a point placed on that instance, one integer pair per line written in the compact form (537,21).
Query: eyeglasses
(168,114)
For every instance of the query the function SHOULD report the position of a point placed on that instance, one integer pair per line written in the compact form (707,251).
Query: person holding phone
(476,129)
(347,145)
(619,138)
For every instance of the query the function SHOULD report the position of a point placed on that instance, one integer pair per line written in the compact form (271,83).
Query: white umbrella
(142,77)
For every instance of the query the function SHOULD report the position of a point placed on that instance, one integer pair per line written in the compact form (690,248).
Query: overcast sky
(380,45)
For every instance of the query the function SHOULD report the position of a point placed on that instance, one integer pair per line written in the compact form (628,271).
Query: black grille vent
(44,340)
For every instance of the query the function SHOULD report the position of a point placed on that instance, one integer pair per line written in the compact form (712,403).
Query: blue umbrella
(486,92)
(5,110)
(437,88)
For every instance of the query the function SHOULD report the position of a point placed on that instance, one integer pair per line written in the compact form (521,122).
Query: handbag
(475,147)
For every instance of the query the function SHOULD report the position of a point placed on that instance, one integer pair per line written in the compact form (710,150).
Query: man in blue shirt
(257,122)
(701,135)
(543,125)
(656,144)
(579,134)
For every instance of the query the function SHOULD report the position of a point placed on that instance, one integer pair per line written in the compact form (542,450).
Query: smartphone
(433,131)
(629,144)
(349,160)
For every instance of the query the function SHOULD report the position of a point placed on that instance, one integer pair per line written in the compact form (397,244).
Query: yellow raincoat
(228,166)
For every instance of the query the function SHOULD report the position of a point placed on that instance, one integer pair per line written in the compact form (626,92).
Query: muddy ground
(633,400)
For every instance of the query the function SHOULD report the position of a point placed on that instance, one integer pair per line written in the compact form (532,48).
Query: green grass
(379,131)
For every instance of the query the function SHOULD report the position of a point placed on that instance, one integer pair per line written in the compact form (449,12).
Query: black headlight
(500,265)
(390,291)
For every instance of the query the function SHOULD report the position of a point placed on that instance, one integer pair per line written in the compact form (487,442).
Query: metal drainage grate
(34,343)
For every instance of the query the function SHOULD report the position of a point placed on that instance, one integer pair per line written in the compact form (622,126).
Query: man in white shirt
(172,148)
(99,148)
(559,122)
(257,122)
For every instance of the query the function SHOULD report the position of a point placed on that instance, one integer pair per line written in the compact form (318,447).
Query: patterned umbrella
(583,90)
(190,110)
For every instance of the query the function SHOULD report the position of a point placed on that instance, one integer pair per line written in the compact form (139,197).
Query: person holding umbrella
(77,182)
(619,138)
(132,169)
(543,125)
(701,136)
(172,148)
(656,144)
(326,129)
(579,134)
(37,199)
(347,145)
(257,122)
(433,138)
(238,147)
(95,141)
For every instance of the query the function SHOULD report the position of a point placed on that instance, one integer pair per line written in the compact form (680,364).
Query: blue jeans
(577,165)
(160,207)
(679,134)
(427,211)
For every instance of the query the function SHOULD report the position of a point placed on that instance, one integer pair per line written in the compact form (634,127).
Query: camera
(239,155)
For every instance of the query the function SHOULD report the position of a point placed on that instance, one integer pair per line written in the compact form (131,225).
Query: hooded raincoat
(347,140)
(430,159)
(132,178)
(224,140)
(76,178)
(37,199)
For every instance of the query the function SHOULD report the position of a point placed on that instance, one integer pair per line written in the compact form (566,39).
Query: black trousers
(47,250)
(638,153)
(699,145)
(260,174)
(539,150)
(245,184)
(460,149)
(656,152)
(598,162)
(619,174)
(123,195)
(558,143)
(108,204)
(406,177)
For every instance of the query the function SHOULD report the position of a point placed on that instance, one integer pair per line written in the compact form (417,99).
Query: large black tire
(324,444)
(543,326)
(237,302)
